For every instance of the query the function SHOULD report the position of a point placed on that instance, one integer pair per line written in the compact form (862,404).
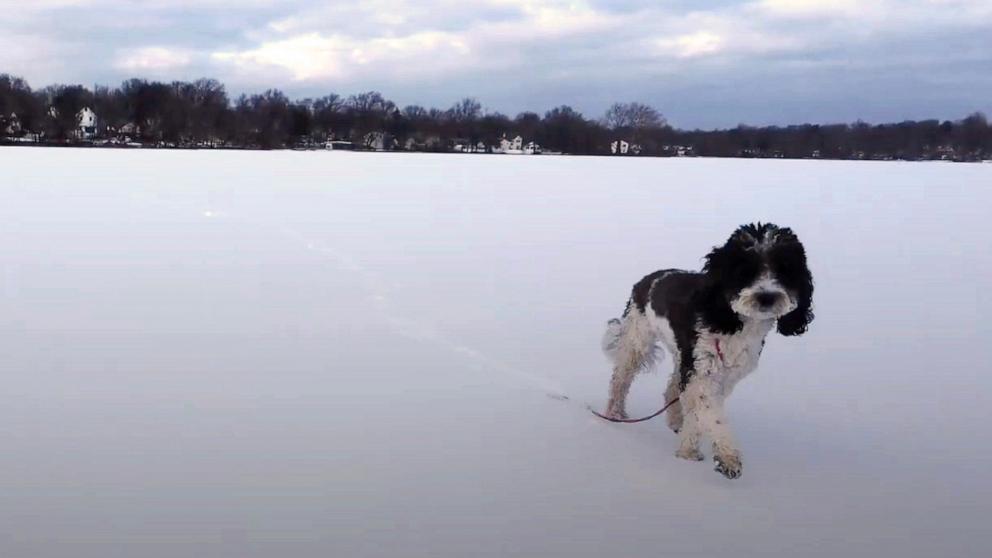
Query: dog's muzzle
(766,300)
(763,303)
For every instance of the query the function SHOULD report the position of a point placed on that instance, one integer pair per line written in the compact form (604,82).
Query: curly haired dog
(714,324)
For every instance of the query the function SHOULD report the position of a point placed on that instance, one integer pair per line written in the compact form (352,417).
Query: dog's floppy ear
(714,308)
(797,321)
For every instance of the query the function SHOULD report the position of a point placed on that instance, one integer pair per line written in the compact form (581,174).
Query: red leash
(642,419)
(719,353)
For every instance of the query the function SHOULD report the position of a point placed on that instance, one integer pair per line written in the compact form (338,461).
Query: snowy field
(244,354)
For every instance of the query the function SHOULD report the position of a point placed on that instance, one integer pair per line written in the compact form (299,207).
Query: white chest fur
(736,357)
(726,359)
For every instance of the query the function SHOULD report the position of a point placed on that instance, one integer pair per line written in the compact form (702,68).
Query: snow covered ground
(253,354)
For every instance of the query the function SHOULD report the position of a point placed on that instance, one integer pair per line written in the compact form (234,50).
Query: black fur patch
(642,290)
(673,297)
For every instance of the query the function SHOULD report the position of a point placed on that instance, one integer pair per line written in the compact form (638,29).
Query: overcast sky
(703,64)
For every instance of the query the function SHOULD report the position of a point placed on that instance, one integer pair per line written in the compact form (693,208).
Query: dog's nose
(766,299)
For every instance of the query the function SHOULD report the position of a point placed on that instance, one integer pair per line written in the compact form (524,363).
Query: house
(516,145)
(433,142)
(532,149)
(943,152)
(421,143)
(464,145)
(129,129)
(340,145)
(86,123)
(10,126)
(624,147)
(377,141)
(687,151)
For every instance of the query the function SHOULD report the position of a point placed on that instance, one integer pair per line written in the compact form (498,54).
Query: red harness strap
(719,353)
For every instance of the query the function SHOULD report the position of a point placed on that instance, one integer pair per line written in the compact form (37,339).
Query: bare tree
(464,121)
(330,116)
(209,107)
(466,110)
(527,125)
(371,111)
(110,107)
(18,104)
(633,116)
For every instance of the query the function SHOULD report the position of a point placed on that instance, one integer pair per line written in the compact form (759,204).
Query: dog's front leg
(706,401)
(674,391)
(689,430)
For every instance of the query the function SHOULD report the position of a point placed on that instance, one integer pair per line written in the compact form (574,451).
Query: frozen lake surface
(246,354)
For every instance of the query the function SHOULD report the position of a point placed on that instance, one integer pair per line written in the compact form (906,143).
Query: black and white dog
(714,324)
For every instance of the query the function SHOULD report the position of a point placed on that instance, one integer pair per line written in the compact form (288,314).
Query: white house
(623,147)
(516,145)
(129,129)
(86,120)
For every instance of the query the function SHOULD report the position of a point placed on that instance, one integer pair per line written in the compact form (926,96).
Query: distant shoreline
(452,153)
(200,114)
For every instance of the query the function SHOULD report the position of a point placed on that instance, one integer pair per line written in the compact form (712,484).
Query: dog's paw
(728,465)
(692,454)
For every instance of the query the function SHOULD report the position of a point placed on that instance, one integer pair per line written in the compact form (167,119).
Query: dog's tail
(632,325)
(611,338)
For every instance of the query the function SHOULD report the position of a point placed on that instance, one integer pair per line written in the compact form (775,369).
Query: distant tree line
(201,114)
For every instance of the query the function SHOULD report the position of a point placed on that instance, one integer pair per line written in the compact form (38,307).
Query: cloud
(813,8)
(563,18)
(530,54)
(297,46)
(153,58)
(305,57)
(29,52)
(700,43)
(313,56)
(721,35)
